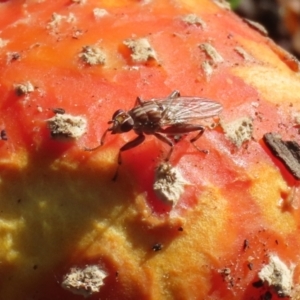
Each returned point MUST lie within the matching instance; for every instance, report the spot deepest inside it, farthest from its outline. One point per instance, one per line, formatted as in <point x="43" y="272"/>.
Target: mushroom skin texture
<point x="66" y="227"/>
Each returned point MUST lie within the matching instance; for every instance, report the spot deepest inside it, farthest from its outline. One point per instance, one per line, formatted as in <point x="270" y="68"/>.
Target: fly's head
<point x="121" y="122"/>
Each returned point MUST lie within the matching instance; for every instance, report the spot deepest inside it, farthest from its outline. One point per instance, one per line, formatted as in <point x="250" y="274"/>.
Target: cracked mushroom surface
<point x="235" y="207"/>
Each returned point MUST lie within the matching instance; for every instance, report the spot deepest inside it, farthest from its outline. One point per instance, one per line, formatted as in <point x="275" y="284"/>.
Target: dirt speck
<point x="238" y="131"/>
<point x="211" y="53"/>
<point x="3" y="43"/>
<point x="99" y="13"/>
<point x="257" y="26"/>
<point x="157" y="247"/>
<point x="13" y="56"/>
<point x="23" y="88"/>
<point x="207" y="69"/>
<point x="287" y="151"/>
<point x="67" y="126"/>
<point x="86" y="281"/>
<point x="57" y="19"/>
<point x="193" y="19"/>
<point x="223" y="4"/>
<point x="93" y="55"/>
<point x="278" y="276"/>
<point x="169" y="184"/>
<point x="141" y="50"/>
<point x="243" y="53"/>
<point x="3" y="135"/>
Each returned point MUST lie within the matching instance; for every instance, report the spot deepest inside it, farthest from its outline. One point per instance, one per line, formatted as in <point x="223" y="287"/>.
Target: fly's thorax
<point x="148" y="113"/>
<point x="122" y="122"/>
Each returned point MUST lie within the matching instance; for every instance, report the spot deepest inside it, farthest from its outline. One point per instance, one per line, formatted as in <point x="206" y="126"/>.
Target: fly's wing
<point x="189" y="110"/>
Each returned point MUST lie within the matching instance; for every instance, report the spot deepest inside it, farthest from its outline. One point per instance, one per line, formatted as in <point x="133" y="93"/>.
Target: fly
<point x="164" y="118"/>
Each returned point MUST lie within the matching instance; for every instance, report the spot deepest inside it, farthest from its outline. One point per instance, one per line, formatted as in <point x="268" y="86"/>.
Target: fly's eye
<point x="127" y="125"/>
<point x="116" y="113"/>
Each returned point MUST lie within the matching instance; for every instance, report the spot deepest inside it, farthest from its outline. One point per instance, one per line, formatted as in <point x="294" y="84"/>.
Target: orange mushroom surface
<point x="219" y="224"/>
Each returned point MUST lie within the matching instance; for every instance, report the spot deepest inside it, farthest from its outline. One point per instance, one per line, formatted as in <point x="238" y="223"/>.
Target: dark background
<point x="281" y="18"/>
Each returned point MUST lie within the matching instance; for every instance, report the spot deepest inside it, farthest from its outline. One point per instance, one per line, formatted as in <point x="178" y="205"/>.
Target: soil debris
<point x="287" y="151"/>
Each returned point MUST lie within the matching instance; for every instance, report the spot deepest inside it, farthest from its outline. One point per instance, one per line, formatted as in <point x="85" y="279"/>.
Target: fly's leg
<point x="186" y="128"/>
<point x="139" y="102"/>
<point x="175" y="94"/>
<point x="131" y="144"/>
<point x="101" y="141"/>
<point x="166" y="140"/>
<point x="195" y="138"/>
